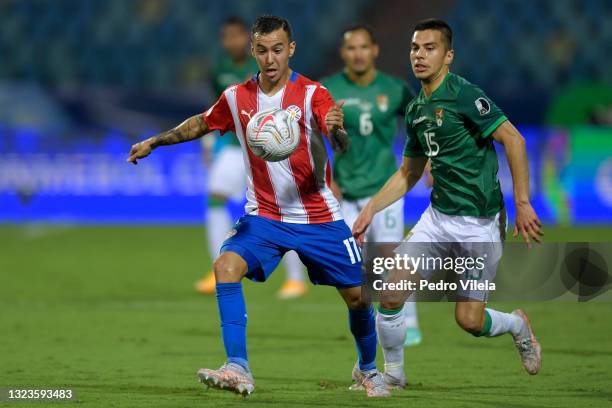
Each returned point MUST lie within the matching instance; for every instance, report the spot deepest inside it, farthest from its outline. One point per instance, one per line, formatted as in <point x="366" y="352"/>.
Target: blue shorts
<point x="328" y="250"/>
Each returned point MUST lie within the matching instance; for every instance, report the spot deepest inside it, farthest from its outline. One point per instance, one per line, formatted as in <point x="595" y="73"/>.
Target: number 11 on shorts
<point x="352" y="249"/>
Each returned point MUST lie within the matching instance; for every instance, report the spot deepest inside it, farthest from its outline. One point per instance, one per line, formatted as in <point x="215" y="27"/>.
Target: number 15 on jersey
<point x="432" y="146"/>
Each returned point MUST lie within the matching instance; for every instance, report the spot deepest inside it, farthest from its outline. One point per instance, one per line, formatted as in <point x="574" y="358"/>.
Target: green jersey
<point x="452" y="128"/>
<point x="227" y="73"/>
<point x="370" y="119"/>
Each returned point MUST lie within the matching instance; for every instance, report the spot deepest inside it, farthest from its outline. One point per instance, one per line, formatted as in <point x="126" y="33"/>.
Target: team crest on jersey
<point x="439" y="116"/>
<point x="482" y="105"/>
<point x="383" y="102"/>
<point x="294" y="111"/>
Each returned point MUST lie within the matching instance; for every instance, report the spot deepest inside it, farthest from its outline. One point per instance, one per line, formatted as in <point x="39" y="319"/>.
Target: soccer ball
<point x="273" y="134"/>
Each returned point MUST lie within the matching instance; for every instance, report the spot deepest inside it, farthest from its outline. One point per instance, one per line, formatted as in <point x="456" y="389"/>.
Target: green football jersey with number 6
<point x="453" y="127"/>
<point x="371" y="121"/>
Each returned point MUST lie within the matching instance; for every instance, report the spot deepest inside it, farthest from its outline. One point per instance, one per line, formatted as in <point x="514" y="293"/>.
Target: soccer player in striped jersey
<point x="454" y="124"/>
<point x="289" y="204"/>
<point x="373" y="102"/>
<point x="223" y="156"/>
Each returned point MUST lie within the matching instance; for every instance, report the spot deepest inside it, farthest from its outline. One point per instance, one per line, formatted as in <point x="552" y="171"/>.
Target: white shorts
<point x="226" y="176"/>
<point x="472" y="236"/>
<point x="387" y="225"/>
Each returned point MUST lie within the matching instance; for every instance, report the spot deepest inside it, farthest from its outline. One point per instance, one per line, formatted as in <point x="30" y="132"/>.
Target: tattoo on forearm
<point x="190" y="129"/>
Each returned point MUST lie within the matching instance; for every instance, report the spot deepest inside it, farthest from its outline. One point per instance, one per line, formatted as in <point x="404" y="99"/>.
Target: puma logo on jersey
<point x="247" y="114"/>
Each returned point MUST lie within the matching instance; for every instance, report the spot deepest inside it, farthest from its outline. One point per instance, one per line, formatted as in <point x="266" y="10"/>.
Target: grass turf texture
<point x="110" y="313"/>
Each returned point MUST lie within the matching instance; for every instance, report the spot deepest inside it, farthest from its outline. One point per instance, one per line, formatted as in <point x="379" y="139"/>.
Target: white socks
<point x="219" y="224"/>
<point x="391" y="330"/>
<point x="503" y="323"/>
<point x="293" y="266"/>
<point x="410" y="315"/>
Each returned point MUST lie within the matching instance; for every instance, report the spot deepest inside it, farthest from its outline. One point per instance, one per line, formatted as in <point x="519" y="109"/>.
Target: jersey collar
<point x="348" y="80"/>
<point x="424" y="97"/>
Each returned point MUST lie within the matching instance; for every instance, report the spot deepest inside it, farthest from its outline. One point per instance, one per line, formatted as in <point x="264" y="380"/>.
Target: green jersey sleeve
<point x="407" y="96"/>
<point x="479" y="110"/>
<point x="413" y="147"/>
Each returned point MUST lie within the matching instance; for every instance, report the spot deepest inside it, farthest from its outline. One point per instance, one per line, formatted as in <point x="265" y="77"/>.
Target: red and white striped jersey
<point x="295" y="190"/>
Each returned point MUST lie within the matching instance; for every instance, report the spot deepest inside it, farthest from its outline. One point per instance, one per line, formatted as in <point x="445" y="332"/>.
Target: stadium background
<point x="94" y="249"/>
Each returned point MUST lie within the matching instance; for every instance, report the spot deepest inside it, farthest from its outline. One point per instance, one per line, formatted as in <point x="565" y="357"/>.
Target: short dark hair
<point x="235" y="20"/>
<point x="439" y="25"/>
<point x="266" y="24"/>
<point x="358" y="27"/>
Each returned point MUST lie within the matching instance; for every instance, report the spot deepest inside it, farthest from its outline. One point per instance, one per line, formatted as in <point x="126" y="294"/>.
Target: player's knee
<point x="391" y="304"/>
<point x="227" y="270"/>
<point x="470" y="322"/>
<point x="358" y="303"/>
<point x="392" y="300"/>
<point x="355" y="301"/>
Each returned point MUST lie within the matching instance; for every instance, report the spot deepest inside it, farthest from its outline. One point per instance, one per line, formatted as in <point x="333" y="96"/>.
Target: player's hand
<point x="362" y="223"/>
<point x="334" y="118"/>
<point x="140" y="151"/>
<point x="336" y="191"/>
<point x="528" y="224"/>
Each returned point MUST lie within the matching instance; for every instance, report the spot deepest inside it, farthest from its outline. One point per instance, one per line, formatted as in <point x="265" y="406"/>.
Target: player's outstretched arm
<point x="190" y="129"/>
<point x="527" y="222"/>
<point x="395" y="188"/>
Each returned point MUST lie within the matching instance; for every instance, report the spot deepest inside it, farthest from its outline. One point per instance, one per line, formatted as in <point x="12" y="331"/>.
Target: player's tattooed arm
<point x="190" y="129"/>
<point x="528" y="224"/>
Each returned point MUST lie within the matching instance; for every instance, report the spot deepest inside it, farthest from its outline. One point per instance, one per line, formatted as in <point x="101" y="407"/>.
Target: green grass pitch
<point x="110" y="313"/>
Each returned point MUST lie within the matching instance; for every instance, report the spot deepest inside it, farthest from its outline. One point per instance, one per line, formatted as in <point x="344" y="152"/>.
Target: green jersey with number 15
<point x="370" y="119"/>
<point x="452" y="127"/>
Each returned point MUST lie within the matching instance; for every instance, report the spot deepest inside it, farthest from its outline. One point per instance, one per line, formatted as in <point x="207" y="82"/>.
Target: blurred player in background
<point x="453" y="124"/>
<point x="289" y="205"/>
<point x="373" y="102"/>
<point x="223" y="156"/>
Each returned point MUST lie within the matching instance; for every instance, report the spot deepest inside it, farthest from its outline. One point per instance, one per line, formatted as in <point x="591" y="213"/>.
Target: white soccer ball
<point x="273" y="134"/>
